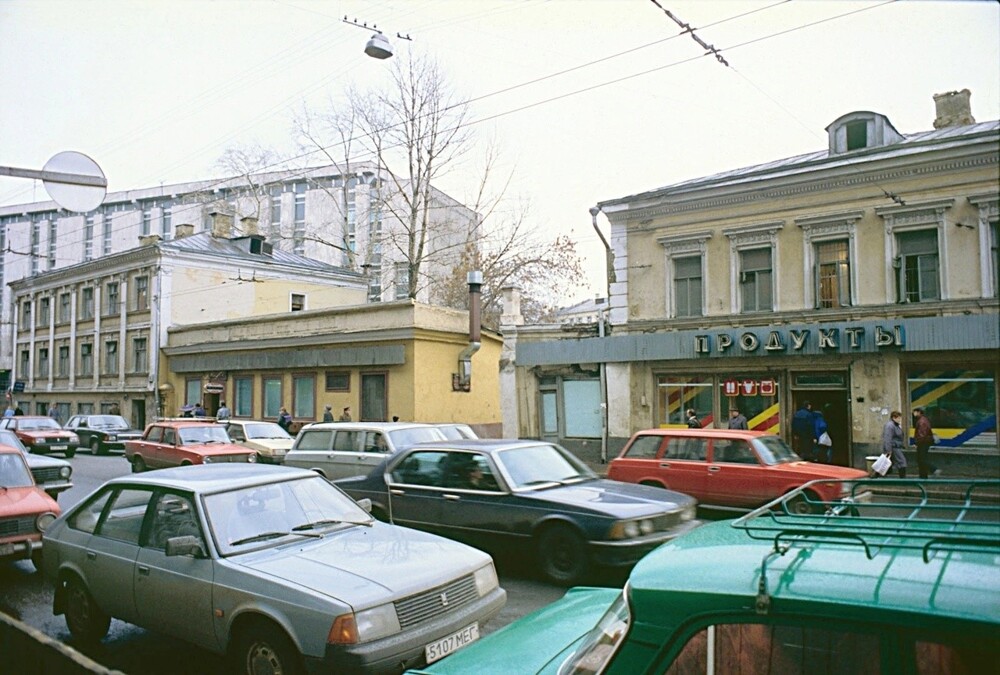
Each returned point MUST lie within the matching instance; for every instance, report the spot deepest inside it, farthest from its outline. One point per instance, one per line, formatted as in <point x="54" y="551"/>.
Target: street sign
<point x="19" y="385"/>
<point x="75" y="195"/>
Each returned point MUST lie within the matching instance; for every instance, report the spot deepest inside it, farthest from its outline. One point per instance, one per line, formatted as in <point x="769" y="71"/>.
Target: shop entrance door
<point x="836" y="411"/>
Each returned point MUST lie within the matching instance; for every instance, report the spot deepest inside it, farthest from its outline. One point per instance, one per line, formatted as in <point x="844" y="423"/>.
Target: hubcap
<point x="262" y="659"/>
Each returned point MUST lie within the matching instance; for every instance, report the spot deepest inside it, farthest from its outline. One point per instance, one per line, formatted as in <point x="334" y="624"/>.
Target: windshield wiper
<point x="575" y="478"/>
<point x="320" y="523"/>
<point x="542" y="481"/>
<point x="272" y="535"/>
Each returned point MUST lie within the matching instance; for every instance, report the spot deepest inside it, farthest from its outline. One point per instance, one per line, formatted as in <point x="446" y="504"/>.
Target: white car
<point x="51" y="474"/>
<point x="269" y="440"/>
<point x="274" y="567"/>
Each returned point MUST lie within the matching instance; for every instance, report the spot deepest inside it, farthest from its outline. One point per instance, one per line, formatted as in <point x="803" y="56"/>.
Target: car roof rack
<point x="936" y="516"/>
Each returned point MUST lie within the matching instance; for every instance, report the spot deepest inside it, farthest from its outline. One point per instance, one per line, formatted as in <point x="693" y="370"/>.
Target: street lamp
<point x="378" y="46"/>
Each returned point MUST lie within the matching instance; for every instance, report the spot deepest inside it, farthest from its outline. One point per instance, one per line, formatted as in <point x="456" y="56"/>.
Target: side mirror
<point x="366" y="504"/>
<point x="185" y="545"/>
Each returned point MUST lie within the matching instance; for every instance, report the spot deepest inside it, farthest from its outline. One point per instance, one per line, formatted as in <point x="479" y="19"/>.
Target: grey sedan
<point x="51" y="474"/>
<point x="271" y="565"/>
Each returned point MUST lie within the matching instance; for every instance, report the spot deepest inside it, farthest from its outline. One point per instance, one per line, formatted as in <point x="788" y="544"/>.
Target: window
<point x="87" y="303"/>
<point x="917" y="266"/>
<point x="755" y="280"/>
<point x="299" y="225"/>
<point x="140" y="355"/>
<point x="375" y="283"/>
<point x="402" y="280"/>
<point x="582" y="408"/>
<point x="26" y="315"/>
<point x="192" y="391"/>
<point x="833" y="274"/>
<point x="64" y="308"/>
<point x="53" y="236"/>
<point x="298" y="302"/>
<point x="43" y="362"/>
<point x="62" y="365"/>
<point x="275" y="210"/>
<point x="644" y="447"/>
<point x="86" y="359"/>
<point x="165" y="223"/>
<point x="338" y="380"/>
<point x="691" y="448"/>
<point x="35" y="246"/>
<point x="111" y="357"/>
<point x="272" y="396"/>
<point x="173" y="516"/>
<point x="243" y="395"/>
<point x="124" y="519"/>
<point x="857" y="135"/>
<point x="112" y="300"/>
<point x="687" y="286"/>
<point x="88" y="238"/>
<point x="106" y="235"/>
<point x="304" y="397"/>
<point x="960" y="404"/>
<point x="44" y="307"/>
<point x="147" y="222"/>
<point x="141" y="293"/>
<point x="85" y="408"/>
<point x="25" y="367"/>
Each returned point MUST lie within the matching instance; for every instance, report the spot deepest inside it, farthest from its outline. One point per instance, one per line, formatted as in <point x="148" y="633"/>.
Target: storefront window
<point x="243" y="392"/>
<point x="755" y="396"/>
<point x="676" y="395"/>
<point x="582" y="405"/>
<point x="960" y="404"/>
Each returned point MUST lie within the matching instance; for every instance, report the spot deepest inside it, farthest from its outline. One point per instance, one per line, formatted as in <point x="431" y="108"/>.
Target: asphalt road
<point x="26" y="596"/>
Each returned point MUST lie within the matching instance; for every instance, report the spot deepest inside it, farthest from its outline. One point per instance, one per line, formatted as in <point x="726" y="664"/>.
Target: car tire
<point x="84" y="618"/>
<point x="138" y="464"/>
<point x="801" y="506"/>
<point x="562" y="554"/>
<point x="70" y="454"/>
<point x="262" y="648"/>
<point x="95" y="447"/>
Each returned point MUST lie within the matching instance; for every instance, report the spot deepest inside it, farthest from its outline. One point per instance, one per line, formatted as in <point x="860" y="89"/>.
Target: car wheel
<point x="652" y="483"/>
<point x="138" y="464"/>
<point x="95" y="447"/>
<point x="263" y="649"/>
<point x="801" y="506"/>
<point x="70" y="453"/>
<point x="84" y="618"/>
<point x="562" y="554"/>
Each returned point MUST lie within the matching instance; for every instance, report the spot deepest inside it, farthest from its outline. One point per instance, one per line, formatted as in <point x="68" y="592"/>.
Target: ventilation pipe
<point x="462" y="380"/>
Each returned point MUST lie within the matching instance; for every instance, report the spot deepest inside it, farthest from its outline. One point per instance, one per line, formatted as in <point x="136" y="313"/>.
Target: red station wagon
<point x="177" y="443"/>
<point x="725" y="467"/>
<point x="25" y="510"/>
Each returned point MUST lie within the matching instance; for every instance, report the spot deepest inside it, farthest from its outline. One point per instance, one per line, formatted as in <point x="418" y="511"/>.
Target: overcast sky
<point x="155" y="90"/>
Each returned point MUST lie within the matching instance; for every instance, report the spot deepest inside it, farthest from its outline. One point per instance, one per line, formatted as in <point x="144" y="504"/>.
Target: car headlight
<point x="65" y="472"/>
<point x="365" y="626"/>
<point x="112" y="437"/>
<point x="689" y="512"/>
<point x="646" y="526"/>
<point x="206" y="460"/>
<point x="624" y="529"/>
<point x="486" y="579"/>
<point x="252" y="457"/>
<point x="43" y="521"/>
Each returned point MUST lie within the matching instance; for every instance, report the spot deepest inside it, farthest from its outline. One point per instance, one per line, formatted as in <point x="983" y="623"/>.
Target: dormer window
<point x="857" y="135"/>
<point x="861" y="130"/>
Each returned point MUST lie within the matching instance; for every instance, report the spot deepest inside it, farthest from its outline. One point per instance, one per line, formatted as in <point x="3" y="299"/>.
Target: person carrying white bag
<point x="892" y="446"/>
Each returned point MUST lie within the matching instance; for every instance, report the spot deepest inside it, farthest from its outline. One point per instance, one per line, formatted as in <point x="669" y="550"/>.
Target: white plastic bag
<point x="824" y="439"/>
<point x="882" y="465"/>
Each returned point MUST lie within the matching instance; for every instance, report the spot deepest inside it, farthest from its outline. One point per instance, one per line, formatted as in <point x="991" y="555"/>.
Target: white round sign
<point x="73" y="196"/>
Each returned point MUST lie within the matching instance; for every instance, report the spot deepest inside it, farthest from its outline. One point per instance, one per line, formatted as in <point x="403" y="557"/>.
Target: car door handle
<point x="453" y="498"/>
<point x="143" y="570"/>
<point x="664" y="465"/>
<point x="91" y="555"/>
<point x="713" y="469"/>
<point x="397" y="492"/>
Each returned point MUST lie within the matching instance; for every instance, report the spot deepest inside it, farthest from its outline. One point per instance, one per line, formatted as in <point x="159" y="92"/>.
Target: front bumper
<point x="53" y="488"/>
<point x="625" y="552"/>
<point x="406" y="649"/>
<point x="56" y="447"/>
<point x="19" y="550"/>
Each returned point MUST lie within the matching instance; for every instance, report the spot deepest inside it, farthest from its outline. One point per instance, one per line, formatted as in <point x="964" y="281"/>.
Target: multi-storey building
<point x="355" y="220"/>
<point x="862" y="277"/>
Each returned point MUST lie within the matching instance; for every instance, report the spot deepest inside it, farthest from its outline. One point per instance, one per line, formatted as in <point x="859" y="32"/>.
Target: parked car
<point x="903" y="590"/>
<point x="341" y="449"/>
<point x="725" y="467"/>
<point x="41" y="435"/>
<point x="267" y="439"/>
<point x="102" y="433"/>
<point x="525" y="496"/>
<point x="271" y="565"/>
<point x="25" y="510"/>
<point x="179" y="442"/>
<point x="51" y="474"/>
<point x="456" y="432"/>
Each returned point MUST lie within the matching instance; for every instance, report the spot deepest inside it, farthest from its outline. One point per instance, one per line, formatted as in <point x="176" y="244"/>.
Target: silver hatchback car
<point x="271" y="565"/>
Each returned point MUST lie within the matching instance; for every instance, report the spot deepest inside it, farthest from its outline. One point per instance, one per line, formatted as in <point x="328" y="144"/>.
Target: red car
<point x="25" y="509"/>
<point x="179" y="442"/>
<point x="723" y="467"/>
<point x="42" y="435"/>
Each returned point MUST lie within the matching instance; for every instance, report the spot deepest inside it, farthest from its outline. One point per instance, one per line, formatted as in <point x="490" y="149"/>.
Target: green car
<point x="898" y="582"/>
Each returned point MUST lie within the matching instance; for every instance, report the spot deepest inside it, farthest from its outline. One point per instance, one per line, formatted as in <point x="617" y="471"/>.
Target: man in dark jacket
<point x="803" y="431"/>
<point x="923" y="438"/>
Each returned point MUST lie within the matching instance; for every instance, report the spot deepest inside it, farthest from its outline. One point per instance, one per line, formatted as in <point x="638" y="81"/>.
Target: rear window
<point x="319" y="439"/>
<point x="402" y="438"/>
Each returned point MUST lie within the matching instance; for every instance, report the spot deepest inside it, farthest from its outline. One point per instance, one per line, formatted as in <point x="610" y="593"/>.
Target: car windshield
<point x="264" y="430"/>
<point x="251" y="518"/>
<point x="13" y="471"/>
<point x="8" y="437"/>
<point x="542" y="465"/>
<point x="412" y="435"/>
<point x="40" y="424"/>
<point x="108" y="422"/>
<point x="205" y="434"/>
<point x="457" y="432"/>
<point x="773" y="450"/>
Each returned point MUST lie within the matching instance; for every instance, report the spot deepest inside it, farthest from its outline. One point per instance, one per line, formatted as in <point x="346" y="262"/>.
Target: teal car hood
<point x="360" y="565"/>
<point x="537" y="643"/>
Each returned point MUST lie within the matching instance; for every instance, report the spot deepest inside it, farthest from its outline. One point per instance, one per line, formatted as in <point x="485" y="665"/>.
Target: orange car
<point x="180" y="442"/>
<point x="42" y="435"/>
<point x="25" y="509"/>
<point x="724" y="467"/>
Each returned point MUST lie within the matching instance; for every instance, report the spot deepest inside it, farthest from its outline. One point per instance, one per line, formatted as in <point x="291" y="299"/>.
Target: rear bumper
<point x="630" y="551"/>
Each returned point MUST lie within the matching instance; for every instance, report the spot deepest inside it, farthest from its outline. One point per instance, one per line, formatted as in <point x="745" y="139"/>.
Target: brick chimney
<point x="953" y="109"/>
<point x="183" y="230"/>
<point x="248" y="224"/>
<point x="222" y="225"/>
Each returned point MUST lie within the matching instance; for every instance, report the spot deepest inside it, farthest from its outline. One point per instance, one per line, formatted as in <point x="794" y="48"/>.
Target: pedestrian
<point x="824" y="444"/>
<point x="892" y="442"/>
<point x="803" y="430"/>
<point x="923" y="438"/>
<point x="284" y="419"/>
<point x="9" y="412"/>
<point x="328" y="413"/>
<point x="346" y="415"/>
<point x="199" y="410"/>
<point x="692" y="419"/>
<point x="222" y="414"/>
<point x="54" y="412"/>
<point x="737" y="420"/>
<point x="114" y="409"/>
<point x="17" y="411"/>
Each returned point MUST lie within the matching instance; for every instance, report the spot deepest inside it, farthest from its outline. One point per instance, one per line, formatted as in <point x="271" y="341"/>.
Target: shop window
<point x="243" y="394"/>
<point x="918" y="278"/>
<point x="304" y="397"/>
<point x="582" y="411"/>
<point x="272" y="395"/>
<point x="338" y="380"/>
<point x="192" y="391"/>
<point x="677" y="395"/>
<point x="755" y="396"/>
<point x="374" y="396"/>
<point x="833" y="274"/>
<point x="960" y="404"/>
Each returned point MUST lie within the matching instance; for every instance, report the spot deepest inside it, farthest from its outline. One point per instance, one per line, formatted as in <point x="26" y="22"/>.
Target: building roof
<point x="238" y="247"/>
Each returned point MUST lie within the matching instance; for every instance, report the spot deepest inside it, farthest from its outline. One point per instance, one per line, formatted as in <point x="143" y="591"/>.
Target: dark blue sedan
<point x="522" y="495"/>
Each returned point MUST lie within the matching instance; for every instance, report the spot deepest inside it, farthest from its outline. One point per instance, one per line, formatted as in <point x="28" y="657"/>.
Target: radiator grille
<point x="47" y="474"/>
<point x="425" y="606"/>
<point x="10" y="527"/>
